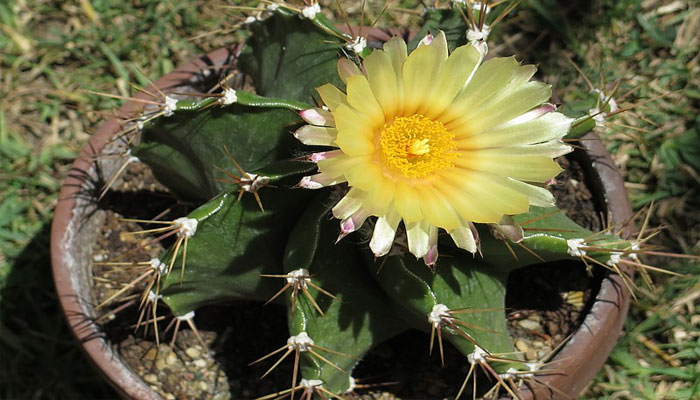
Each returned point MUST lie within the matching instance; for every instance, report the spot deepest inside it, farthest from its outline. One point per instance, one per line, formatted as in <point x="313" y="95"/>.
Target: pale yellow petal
<point x="551" y="149"/>
<point x="353" y="143"/>
<point x="384" y="233"/>
<point x="464" y="238"/>
<point x="457" y="69"/>
<point x="365" y="175"/>
<point x="489" y="189"/>
<point x="467" y="206"/>
<point x="505" y="163"/>
<point x="419" y="73"/>
<point x="440" y="44"/>
<point x="316" y="135"/>
<point x="418" y="234"/>
<point x="361" y="98"/>
<point x="436" y="209"/>
<point x="538" y="196"/>
<point x="407" y="203"/>
<point x="397" y="51"/>
<point x="331" y="96"/>
<point x="349" y="119"/>
<point x="491" y="77"/>
<point x="350" y="203"/>
<point x="337" y="166"/>
<point x="381" y="196"/>
<point x="523" y="73"/>
<point x="547" y="127"/>
<point x="529" y="96"/>
<point x="382" y="79"/>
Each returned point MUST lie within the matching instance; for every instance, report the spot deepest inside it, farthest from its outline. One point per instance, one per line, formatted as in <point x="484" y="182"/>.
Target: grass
<point x="51" y="50"/>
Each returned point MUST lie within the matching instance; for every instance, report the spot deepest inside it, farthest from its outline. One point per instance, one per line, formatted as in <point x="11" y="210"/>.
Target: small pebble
<point x="171" y="358"/>
<point x="529" y="324"/>
<point x="521" y="345"/>
<point x="150" y="378"/>
<point x="151" y="354"/>
<point x="193" y="353"/>
<point x="200" y="363"/>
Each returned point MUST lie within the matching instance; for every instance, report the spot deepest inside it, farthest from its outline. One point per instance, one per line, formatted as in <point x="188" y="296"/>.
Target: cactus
<point x="249" y="161"/>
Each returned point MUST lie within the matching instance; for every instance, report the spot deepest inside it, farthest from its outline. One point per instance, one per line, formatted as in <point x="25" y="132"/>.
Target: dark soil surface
<point x="545" y="304"/>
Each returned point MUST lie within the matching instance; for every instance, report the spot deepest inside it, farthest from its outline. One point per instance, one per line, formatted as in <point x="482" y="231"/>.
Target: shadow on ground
<point x="39" y="358"/>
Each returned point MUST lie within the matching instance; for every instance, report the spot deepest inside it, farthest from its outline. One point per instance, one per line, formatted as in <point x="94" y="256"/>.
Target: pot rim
<point x="589" y="350"/>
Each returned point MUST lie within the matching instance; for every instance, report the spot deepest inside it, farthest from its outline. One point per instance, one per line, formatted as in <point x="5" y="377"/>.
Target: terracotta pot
<point x="75" y="226"/>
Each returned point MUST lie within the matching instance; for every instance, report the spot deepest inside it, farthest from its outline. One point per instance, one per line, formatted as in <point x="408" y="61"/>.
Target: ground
<point x="53" y="53"/>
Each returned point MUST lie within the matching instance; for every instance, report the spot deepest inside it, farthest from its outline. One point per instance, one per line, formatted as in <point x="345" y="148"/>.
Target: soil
<point x="544" y="306"/>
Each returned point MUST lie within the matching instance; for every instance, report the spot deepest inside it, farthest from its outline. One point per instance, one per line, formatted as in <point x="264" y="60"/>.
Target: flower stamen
<point x="419" y="147"/>
<point x="416" y="146"/>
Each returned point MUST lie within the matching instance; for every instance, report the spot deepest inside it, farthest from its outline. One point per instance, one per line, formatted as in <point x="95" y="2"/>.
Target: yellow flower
<point x="436" y="141"/>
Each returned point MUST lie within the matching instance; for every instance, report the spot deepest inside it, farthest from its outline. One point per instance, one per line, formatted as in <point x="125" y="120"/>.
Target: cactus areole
<point x="434" y="161"/>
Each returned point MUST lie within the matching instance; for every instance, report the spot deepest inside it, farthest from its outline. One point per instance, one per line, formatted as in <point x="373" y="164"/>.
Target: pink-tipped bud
<point x="317" y="181"/>
<point x="352" y="223"/>
<point x="426" y="41"/>
<point x="346" y="69"/>
<point x="324" y="155"/>
<point x="509" y="229"/>
<point x="533" y="114"/>
<point x="431" y="256"/>
<point x="316" y="116"/>
<point x="307" y="182"/>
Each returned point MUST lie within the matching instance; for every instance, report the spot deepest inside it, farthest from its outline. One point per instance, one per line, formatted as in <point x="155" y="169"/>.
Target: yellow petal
<point x="348" y="119"/>
<point x="491" y="77"/>
<point x="529" y="96"/>
<point x="331" y="96"/>
<point x="353" y="143"/>
<point x="396" y="49"/>
<point x="436" y="209"/>
<point x="455" y="72"/>
<point x="506" y="163"/>
<point x="419" y="73"/>
<point x="381" y="198"/>
<point x="440" y="44"/>
<point x="407" y="203"/>
<point x="547" y="127"/>
<point x="337" y="166"/>
<point x="472" y="118"/>
<point x="467" y="206"/>
<point x="382" y="79"/>
<point x="489" y="189"/>
<point x="365" y="175"/>
<point x="361" y="98"/>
